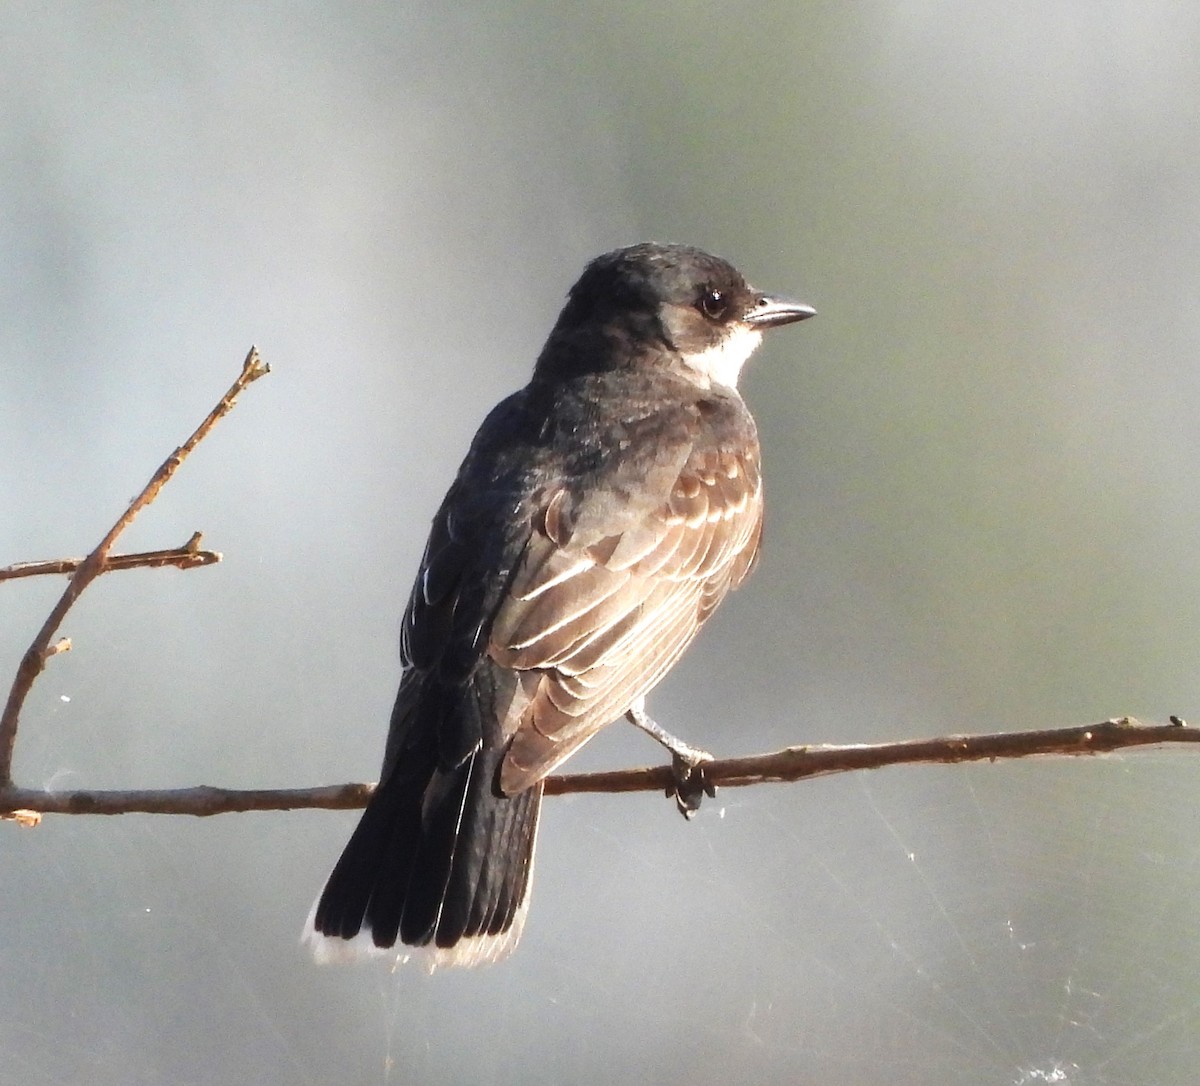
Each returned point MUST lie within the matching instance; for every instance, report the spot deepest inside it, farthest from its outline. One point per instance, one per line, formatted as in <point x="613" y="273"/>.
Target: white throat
<point x="721" y="363"/>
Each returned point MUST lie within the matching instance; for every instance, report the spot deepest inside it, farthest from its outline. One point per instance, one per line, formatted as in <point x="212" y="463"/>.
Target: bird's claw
<point x="691" y="783"/>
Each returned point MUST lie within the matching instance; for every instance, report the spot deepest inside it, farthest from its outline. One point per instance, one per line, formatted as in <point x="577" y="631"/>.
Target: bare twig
<point x="791" y="764"/>
<point x="189" y="556"/>
<point x="201" y="800"/>
<point x="796" y="763"/>
<point x="97" y="562"/>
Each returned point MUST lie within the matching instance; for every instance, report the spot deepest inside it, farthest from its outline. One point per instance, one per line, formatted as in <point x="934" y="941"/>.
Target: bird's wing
<point x="593" y="619"/>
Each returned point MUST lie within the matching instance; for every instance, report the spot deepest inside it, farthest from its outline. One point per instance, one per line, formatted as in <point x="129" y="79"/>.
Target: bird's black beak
<point x="770" y="312"/>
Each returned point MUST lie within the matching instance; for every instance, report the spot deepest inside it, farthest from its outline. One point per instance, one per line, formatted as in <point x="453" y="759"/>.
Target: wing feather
<point x="599" y="618"/>
<point x="557" y="618"/>
<point x="551" y="734"/>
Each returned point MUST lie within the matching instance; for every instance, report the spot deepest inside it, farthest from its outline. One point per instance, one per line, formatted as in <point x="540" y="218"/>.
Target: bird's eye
<point x="713" y="304"/>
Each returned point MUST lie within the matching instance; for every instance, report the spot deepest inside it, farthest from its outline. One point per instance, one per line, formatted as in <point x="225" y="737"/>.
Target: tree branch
<point x="97" y="562"/>
<point x="791" y="764"/>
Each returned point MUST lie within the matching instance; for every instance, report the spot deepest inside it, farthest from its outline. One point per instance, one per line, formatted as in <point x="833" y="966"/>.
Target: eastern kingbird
<point x="600" y="516"/>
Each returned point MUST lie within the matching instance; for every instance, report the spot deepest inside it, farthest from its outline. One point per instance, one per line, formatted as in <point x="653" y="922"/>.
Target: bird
<point x="600" y="516"/>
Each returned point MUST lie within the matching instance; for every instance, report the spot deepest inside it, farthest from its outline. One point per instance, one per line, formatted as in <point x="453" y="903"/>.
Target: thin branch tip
<point x="63" y="644"/>
<point x="254" y="367"/>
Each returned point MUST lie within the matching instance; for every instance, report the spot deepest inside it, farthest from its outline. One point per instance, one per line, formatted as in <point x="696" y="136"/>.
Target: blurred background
<point x="983" y="510"/>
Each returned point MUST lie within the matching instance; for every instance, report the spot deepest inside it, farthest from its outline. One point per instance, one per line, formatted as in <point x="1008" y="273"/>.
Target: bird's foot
<point x="691" y="783"/>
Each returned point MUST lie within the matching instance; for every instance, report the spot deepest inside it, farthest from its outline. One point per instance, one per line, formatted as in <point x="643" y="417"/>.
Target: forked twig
<point x="98" y="562"/>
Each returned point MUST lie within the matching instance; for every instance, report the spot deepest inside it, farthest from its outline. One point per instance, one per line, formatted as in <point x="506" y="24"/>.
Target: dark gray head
<point x="663" y="304"/>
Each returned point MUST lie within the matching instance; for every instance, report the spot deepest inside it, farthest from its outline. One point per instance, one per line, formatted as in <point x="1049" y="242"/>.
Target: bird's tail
<point x="440" y="860"/>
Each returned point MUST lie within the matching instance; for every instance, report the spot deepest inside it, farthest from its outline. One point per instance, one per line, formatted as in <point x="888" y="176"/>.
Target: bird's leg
<point x="687" y="762"/>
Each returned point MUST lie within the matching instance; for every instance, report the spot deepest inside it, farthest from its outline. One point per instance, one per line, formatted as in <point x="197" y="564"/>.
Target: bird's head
<point x="673" y="305"/>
